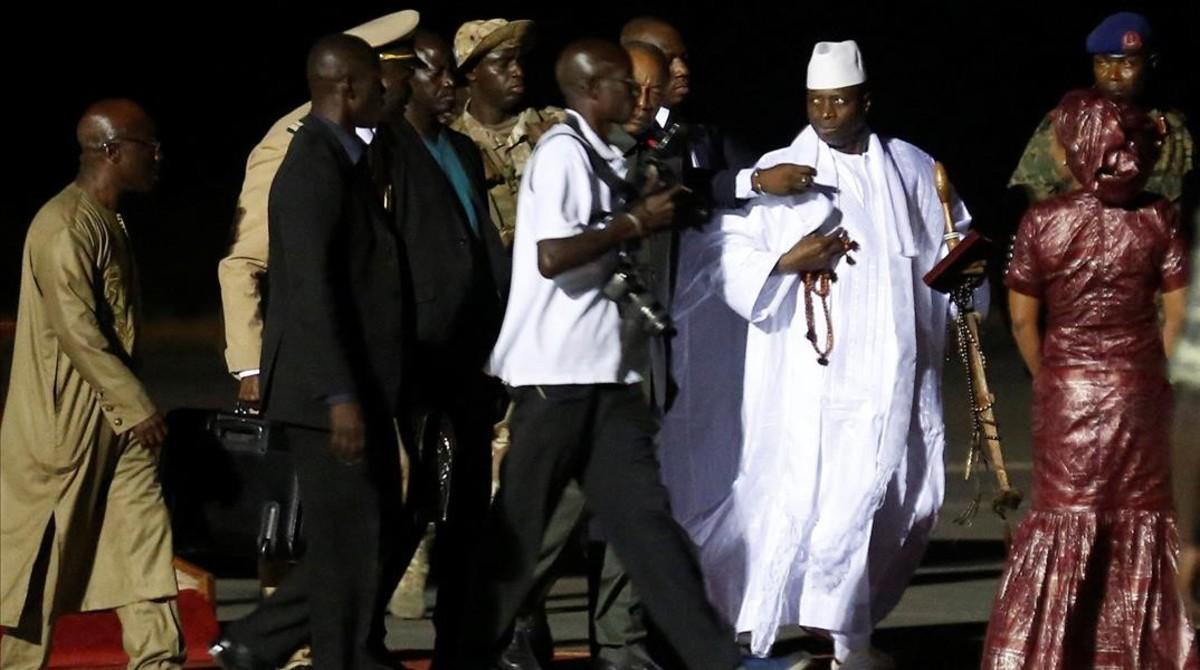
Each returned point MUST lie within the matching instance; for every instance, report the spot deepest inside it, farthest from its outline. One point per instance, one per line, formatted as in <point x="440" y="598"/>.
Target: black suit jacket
<point x="712" y="159"/>
<point x="334" y="324"/>
<point x="459" y="278"/>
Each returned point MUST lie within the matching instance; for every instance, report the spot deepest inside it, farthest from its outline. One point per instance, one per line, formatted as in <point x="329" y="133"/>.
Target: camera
<point x="668" y="164"/>
<point x="628" y="285"/>
<point x="628" y="289"/>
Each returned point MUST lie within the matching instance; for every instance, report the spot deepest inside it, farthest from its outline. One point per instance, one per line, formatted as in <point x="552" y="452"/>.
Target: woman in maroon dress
<point x="1089" y="580"/>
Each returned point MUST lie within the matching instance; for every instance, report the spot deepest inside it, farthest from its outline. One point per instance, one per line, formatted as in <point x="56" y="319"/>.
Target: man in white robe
<point x="840" y="475"/>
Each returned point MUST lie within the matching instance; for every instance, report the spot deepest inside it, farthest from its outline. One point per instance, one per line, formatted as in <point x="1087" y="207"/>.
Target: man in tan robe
<point x="82" y="521"/>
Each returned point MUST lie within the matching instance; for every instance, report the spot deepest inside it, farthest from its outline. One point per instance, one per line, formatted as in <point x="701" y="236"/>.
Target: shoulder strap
<point x="622" y="190"/>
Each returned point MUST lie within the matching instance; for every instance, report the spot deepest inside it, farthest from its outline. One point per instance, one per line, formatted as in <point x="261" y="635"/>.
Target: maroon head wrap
<point x="1111" y="146"/>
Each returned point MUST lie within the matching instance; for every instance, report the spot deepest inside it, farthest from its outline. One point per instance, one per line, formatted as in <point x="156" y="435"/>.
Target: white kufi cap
<point x="835" y="65"/>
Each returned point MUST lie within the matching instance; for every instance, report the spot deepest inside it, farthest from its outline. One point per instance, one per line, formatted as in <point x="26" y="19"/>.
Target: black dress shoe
<point x="232" y="655"/>
<point x="530" y="647"/>
<point x="517" y="656"/>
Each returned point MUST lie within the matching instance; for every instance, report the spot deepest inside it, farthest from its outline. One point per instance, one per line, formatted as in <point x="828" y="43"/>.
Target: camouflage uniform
<point x="1043" y="172"/>
<point x="505" y="153"/>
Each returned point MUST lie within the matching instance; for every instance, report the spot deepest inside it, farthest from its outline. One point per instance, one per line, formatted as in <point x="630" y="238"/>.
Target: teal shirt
<point x="447" y="158"/>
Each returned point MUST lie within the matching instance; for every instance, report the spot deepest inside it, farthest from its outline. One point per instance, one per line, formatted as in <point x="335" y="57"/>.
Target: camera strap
<point x="622" y="191"/>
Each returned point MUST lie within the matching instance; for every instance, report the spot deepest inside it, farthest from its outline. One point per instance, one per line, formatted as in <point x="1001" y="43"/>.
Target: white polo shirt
<point x="562" y="330"/>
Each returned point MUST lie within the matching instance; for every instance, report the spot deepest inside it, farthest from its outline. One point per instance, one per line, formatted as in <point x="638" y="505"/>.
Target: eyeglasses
<point x="155" y="145"/>
<point x="397" y="56"/>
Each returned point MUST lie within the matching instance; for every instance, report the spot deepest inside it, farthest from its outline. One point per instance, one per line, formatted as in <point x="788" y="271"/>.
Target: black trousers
<point x="331" y="599"/>
<point x="603" y="437"/>
<point x="474" y="403"/>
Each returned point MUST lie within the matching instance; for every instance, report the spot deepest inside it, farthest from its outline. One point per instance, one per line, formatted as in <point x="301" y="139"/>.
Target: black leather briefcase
<point x="231" y="489"/>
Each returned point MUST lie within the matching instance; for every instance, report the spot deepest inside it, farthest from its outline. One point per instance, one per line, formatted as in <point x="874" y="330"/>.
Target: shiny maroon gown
<point x="1090" y="577"/>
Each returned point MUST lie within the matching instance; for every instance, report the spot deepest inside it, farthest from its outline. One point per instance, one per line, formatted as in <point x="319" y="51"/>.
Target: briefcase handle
<point x="242" y="433"/>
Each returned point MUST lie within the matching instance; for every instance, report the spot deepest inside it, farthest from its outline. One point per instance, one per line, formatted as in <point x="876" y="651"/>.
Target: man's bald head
<point x="344" y="80"/>
<point x="648" y="29"/>
<point x="663" y="35"/>
<point x="595" y="78"/>
<point x="650" y="71"/>
<point x="107" y="120"/>
<point x="334" y="59"/>
<point x="118" y="142"/>
<point x="584" y="61"/>
<point x="646" y="56"/>
<point x="427" y="40"/>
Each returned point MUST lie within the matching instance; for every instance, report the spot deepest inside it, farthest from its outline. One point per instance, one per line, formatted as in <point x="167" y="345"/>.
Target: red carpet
<point x="93" y="640"/>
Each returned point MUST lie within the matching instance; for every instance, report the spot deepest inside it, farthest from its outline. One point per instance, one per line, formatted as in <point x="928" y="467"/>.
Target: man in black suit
<point x="719" y="169"/>
<point x="331" y="371"/>
<point x="459" y="273"/>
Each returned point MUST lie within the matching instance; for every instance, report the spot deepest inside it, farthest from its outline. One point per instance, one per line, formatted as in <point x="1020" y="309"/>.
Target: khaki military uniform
<point x="1043" y="171"/>
<point x="505" y="152"/>
<point x="241" y="272"/>
<point x="82" y="520"/>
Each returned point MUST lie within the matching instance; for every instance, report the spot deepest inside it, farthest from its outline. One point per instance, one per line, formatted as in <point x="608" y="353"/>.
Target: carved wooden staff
<point x="946" y="277"/>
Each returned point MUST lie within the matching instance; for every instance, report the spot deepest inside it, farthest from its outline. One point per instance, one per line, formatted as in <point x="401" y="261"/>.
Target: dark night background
<point x="967" y="81"/>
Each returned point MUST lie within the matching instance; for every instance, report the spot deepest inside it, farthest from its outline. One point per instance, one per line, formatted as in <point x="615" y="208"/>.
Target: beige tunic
<point x="66" y="457"/>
